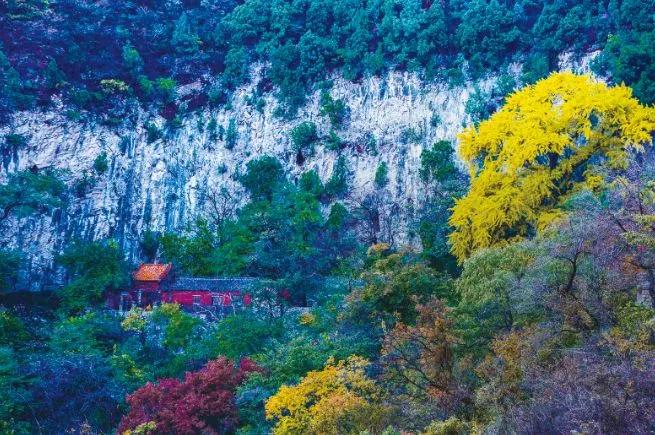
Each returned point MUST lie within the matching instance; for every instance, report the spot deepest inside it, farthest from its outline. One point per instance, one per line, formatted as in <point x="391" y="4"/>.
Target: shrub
<point x="132" y="59"/>
<point x="146" y="86"/>
<point x="100" y="164"/>
<point x="212" y="127"/>
<point x="337" y="185"/>
<point x="437" y="163"/>
<point x="435" y="120"/>
<point x="166" y="88"/>
<point x="262" y="177"/>
<point x="371" y="144"/>
<point x="14" y="140"/>
<point x="231" y="134"/>
<point x="304" y="135"/>
<point x="114" y="86"/>
<point x="479" y="105"/>
<point x="311" y="182"/>
<point x="411" y="135"/>
<point x="82" y="185"/>
<point x="335" y="110"/>
<point x="184" y="40"/>
<point x="153" y="132"/>
<point x="334" y="142"/>
<point x="149" y="244"/>
<point x="217" y="94"/>
<point x="381" y="175"/>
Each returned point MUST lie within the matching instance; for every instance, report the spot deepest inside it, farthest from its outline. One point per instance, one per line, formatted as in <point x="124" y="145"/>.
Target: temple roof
<point x="210" y="284"/>
<point x="152" y="272"/>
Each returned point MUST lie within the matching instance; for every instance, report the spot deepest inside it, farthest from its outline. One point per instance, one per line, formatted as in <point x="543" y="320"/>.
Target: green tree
<point x="444" y="184"/>
<point x="338" y="183"/>
<point x="242" y="335"/>
<point x="14" y="390"/>
<point x="92" y="268"/>
<point x="9" y="268"/>
<point x="100" y="164"/>
<point x="263" y="175"/>
<point x="631" y="60"/>
<point x="335" y="110"/>
<point x="395" y="283"/>
<point x="132" y="60"/>
<point x="191" y="252"/>
<point x="231" y="134"/>
<point x="12" y="330"/>
<point x="178" y="327"/>
<point x="488" y="292"/>
<point x="184" y="39"/>
<point x="303" y="136"/>
<point x="13" y="94"/>
<point x="381" y="175"/>
<point x="310" y="182"/>
<point x="28" y="192"/>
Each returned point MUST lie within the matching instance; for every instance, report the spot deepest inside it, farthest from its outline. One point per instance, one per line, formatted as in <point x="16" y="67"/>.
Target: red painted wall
<point x="185" y="297"/>
<point x="151" y="291"/>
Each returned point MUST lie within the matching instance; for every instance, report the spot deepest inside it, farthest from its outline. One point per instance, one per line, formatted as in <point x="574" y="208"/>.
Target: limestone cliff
<point x="164" y="184"/>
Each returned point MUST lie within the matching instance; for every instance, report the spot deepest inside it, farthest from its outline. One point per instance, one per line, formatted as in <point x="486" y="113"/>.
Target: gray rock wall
<point x="166" y="184"/>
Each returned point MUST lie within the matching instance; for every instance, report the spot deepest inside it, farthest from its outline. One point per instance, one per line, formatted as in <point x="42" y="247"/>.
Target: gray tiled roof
<point x="210" y="284"/>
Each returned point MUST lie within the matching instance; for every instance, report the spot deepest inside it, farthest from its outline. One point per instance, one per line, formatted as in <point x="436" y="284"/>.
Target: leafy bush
<point x="631" y="59"/>
<point x="338" y="183"/>
<point x="334" y="142"/>
<point x="335" y="110"/>
<point x="437" y="163"/>
<point x="165" y="86"/>
<point x="411" y="135"/>
<point x="153" y="133"/>
<point x="381" y="175"/>
<point x="9" y="268"/>
<point x="14" y="140"/>
<point x="231" y="134"/>
<point x="93" y="268"/>
<point x="262" y="177"/>
<point x="303" y="136"/>
<point x="112" y="86"/>
<point x="100" y="164"/>
<point x="208" y="392"/>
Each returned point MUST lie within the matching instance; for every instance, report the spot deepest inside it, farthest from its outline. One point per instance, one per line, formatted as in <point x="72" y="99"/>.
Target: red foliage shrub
<point x="202" y="403"/>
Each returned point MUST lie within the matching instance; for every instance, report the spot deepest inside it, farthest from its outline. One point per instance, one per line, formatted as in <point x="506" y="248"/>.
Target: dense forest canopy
<point x="101" y="55"/>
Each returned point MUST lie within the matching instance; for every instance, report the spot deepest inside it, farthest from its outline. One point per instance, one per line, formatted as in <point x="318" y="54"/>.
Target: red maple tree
<point x="202" y="403"/>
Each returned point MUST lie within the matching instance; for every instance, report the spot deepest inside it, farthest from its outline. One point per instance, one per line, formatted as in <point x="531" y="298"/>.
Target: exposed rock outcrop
<point x="164" y="184"/>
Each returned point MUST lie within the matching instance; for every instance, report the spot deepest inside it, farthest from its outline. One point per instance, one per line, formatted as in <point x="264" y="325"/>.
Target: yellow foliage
<point x="135" y="320"/>
<point x="307" y="319"/>
<point x="142" y="429"/>
<point x="537" y="150"/>
<point x="111" y="86"/>
<point x="339" y="399"/>
<point x="378" y="249"/>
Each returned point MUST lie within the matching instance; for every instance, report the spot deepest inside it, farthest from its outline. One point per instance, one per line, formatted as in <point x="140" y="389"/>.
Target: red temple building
<point x="157" y="283"/>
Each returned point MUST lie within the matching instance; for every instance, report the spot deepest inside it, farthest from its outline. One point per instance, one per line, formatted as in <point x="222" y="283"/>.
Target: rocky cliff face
<point x="164" y="184"/>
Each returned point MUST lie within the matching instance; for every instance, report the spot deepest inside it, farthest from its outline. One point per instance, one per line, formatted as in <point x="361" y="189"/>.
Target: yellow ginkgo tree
<point x="546" y="142"/>
<point x="340" y="399"/>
